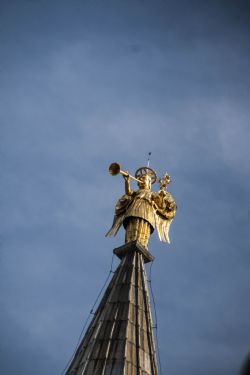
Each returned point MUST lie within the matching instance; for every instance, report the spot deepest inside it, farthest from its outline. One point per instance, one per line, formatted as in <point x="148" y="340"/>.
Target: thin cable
<point x="155" y="316"/>
<point x="90" y="313"/>
<point x="110" y="271"/>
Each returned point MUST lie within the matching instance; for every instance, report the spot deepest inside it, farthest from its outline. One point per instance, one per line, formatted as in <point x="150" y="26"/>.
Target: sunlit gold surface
<point x="141" y="211"/>
<point x="115" y="169"/>
<point x="146" y="171"/>
<point x="138" y="229"/>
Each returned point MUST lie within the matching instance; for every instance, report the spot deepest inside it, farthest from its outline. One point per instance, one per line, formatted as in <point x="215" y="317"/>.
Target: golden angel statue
<point x="141" y="211"/>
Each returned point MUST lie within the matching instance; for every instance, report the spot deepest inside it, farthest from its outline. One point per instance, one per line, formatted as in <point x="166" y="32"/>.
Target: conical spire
<point x="119" y="340"/>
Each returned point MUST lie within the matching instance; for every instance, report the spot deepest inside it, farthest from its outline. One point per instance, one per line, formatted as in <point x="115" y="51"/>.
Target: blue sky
<point x="86" y="83"/>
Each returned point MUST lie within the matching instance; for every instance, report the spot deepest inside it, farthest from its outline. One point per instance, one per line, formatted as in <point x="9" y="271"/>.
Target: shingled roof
<point x="119" y="340"/>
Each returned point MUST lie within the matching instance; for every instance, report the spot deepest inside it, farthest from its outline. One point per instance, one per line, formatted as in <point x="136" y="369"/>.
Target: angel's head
<point x="145" y="182"/>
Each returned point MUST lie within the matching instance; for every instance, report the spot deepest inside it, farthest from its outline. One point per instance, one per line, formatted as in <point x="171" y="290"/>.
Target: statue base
<point x="132" y="246"/>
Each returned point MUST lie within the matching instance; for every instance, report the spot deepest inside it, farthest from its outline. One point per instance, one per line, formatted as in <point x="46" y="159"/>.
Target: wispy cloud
<point x="88" y="84"/>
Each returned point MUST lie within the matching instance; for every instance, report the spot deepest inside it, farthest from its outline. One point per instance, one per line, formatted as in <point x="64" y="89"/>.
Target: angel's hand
<point x="126" y="177"/>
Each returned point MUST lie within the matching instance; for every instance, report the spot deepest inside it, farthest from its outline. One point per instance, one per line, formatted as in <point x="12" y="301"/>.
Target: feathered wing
<point x="164" y="214"/>
<point x="120" y="210"/>
<point x="117" y="222"/>
<point x="163" y="226"/>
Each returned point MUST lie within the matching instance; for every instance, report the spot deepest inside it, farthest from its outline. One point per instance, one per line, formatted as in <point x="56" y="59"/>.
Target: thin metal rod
<point x="127" y="174"/>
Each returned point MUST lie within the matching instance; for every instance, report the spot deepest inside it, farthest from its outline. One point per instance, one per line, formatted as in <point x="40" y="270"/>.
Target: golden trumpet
<point x="115" y="169"/>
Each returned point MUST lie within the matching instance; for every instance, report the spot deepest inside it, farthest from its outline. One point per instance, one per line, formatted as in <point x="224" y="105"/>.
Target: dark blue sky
<point x="86" y="83"/>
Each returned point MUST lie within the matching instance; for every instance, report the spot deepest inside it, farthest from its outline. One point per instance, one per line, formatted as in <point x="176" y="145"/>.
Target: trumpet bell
<point x="114" y="169"/>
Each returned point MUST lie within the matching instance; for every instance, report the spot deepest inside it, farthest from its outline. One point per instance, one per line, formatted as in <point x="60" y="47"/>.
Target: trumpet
<point x="115" y="169"/>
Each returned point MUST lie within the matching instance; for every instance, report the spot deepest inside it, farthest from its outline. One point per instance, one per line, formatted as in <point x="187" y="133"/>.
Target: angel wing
<point x="163" y="226"/>
<point x="120" y="210"/>
<point x="117" y="222"/>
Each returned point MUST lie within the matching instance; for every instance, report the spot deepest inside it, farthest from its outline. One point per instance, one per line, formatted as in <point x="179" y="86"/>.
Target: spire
<point x="119" y="340"/>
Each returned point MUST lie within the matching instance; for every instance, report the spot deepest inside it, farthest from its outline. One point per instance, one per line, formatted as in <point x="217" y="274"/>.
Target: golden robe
<point x="157" y="209"/>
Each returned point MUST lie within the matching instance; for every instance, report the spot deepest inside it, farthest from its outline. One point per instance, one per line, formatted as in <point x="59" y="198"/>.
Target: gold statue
<point x="142" y="211"/>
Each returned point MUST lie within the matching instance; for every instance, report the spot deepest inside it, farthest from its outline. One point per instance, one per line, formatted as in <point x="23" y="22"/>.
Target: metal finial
<point x="149" y="154"/>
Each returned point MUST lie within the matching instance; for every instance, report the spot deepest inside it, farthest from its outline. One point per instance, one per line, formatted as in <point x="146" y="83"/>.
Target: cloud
<point x="77" y="97"/>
